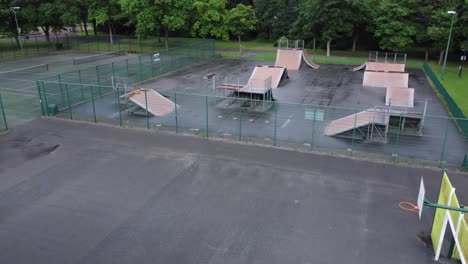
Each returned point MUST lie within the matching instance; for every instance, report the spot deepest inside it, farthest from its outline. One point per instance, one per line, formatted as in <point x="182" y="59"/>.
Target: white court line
<point x="30" y="95"/>
<point x="287" y="121"/>
<point x="15" y="90"/>
<point x="21" y="80"/>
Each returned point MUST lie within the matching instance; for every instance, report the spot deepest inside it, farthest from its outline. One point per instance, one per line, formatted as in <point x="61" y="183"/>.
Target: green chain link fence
<point x="451" y="104"/>
<point x="32" y="45"/>
<point x="3" y="121"/>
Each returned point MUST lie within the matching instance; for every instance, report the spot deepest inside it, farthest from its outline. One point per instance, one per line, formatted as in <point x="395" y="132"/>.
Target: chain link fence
<point x="3" y="121"/>
<point x="32" y="45"/>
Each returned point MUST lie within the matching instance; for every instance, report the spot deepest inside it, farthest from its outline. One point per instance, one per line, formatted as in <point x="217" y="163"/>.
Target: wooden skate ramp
<point x="385" y="79"/>
<point x="348" y="123"/>
<point x="289" y="58"/>
<point x="309" y="61"/>
<point x="261" y="74"/>
<point x="158" y="105"/>
<point x="386" y="67"/>
<point x="397" y="96"/>
<point x="360" y="67"/>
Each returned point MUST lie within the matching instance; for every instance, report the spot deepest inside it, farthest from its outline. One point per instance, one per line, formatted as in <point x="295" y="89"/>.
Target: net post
<point x="98" y="80"/>
<point x="276" y="123"/>
<point x="94" y="106"/>
<point x="146" y="108"/>
<point x="2" y="108"/>
<point x="81" y="85"/>
<point x="175" y="109"/>
<point x="206" y="115"/>
<point x="69" y="105"/>
<point x="38" y="85"/>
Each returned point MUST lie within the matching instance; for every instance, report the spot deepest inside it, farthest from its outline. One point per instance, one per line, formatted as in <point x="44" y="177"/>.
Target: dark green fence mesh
<point x="3" y="121"/>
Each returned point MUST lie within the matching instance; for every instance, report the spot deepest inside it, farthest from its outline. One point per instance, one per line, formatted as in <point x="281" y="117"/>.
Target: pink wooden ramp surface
<point x="397" y="96"/>
<point x="266" y="77"/>
<point x="158" y="105"/>
<point x="347" y="123"/>
<point x="289" y="58"/>
<point x="385" y="79"/>
<point x="385" y="66"/>
<point x="309" y="61"/>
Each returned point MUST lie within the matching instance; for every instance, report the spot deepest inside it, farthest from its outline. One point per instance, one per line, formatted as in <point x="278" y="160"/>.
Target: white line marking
<point x="235" y="118"/>
<point x="286" y="123"/>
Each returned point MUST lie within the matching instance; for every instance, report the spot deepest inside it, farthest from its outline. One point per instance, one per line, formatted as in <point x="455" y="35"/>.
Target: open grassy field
<point x="456" y="86"/>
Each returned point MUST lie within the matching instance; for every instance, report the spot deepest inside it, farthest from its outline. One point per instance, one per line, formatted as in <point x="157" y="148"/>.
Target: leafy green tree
<point x="240" y="20"/>
<point x="107" y="12"/>
<point x="8" y="23"/>
<point x="209" y="19"/>
<point x="266" y="12"/>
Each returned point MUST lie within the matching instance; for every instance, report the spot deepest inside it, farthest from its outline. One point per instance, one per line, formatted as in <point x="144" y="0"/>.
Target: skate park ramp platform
<point x="308" y="61"/>
<point x="289" y="58"/>
<point x="397" y="96"/>
<point x="266" y="77"/>
<point x="381" y="66"/>
<point x="349" y="123"/>
<point x="385" y="66"/>
<point x="385" y="79"/>
<point x="157" y="104"/>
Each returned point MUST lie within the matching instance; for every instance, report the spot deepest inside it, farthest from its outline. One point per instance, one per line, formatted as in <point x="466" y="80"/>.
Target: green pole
<point x="45" y="99"/>
<point x="397" y="143"/>
<point x="313" y="130"/>
<point x="94" y="106"/>
<point x="40" y="97"/>
<point x="146" y="108"/>
<point x="61" y="89"/>
<point x="442" y="154"/>
<point x="206" y="112"/>
<point x="175" y="109"/>
<point x="69" y="105"/>
<point x="120" y="110"/>
<point x="98" y="80"/>
<point x="240" y="122"/>
<point x="81" y="85"/>
<point x="448" y="45"/>
<point x="276" y="122"/>
<point x="3" y="113"/>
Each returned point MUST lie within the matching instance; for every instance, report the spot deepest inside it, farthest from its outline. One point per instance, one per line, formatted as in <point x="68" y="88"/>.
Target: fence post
<point x="39" y="96"/>
<point x="61" y="89"/>
<point x="176" y="118"/>
<point x="128" y="73"/>
<point x="69" y="105"/>
<point x="139" y="69"/>
<point x="276" y="121"/>
<point x="81" y="85"/>
<point x="354" y="133"/>
<point x="206" y="112"/>
<point x="442" y="154"/>
<point x="94" y="106"/>
<point x="240" y="121"/>
<point x="45" y="99"/>
<point x="2" y="108"/>
<point x="120" y="110"/>
<point x="397" y="143"/>
<point x="313" y="130"/>
<point x="146" y="108"/>
<point x="98" y="80"/>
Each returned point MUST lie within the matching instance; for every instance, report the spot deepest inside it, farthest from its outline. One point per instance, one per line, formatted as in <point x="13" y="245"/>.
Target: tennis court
<point x="18" y="78"/>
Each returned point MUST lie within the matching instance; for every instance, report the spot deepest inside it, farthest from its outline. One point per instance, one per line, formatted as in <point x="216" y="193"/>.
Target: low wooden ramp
<point x="385" y="66"/>
<point x="397" y="96"/>
<point x="309" y="61"/>
<point x="348" y="123"/>
<point x="289" y="58"/>
<point x="158" y="105"/>
<point x="385" y="79"/>
<point x="261" y="75"/>
<point x="360" y="67"/>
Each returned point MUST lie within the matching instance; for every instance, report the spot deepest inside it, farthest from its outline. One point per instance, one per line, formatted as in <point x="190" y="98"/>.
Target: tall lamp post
<point x="452" y="13"/>
<point x="13" y="8"/>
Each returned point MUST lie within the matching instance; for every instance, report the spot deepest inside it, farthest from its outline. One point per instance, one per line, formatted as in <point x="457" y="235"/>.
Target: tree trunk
<point x="354" y="42"/>
<point x="46" y="33"/>
<point x="426" y="57"/>
<point x="17" y="41"/>
<point x="441" y="56"/>
<point x="328" y="47"/>
<point x="240" y="44"/>
<point x="85" y="27"/>
<point x="166" y="37"/>
<point x="94" y="26"/>
<point x="110" y="33"/>
<point x="313" y="48"/>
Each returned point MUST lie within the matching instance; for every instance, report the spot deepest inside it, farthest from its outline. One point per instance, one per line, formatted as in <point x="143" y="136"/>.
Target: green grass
<point x="455" y="86"/>
<point x="251" y="45"/>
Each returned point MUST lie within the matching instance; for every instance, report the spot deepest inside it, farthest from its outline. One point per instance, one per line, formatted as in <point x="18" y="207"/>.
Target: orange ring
<point x="410" y="207"/>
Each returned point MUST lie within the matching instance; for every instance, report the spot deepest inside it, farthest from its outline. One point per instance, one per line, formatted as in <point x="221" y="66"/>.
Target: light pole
<point x="452" y="13"/>
<point x="13" y="8"/>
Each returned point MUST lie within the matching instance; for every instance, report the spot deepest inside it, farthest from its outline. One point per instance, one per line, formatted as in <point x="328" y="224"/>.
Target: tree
<point x="240" y="20"/>
<point x="209" y="19"/>
<point x="396" y="24"/>
<point x="267" y="14"/>
<point x="438" y="30"/>
<point x="82" y="12"/>
<point x="8" y="23"/>
<point x="106" y="12"/>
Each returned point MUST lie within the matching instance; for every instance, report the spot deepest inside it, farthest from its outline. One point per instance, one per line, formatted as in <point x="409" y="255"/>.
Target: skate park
<point x="214" y="98"/>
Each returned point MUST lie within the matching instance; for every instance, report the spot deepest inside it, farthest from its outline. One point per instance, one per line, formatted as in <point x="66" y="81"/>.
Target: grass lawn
<point x="457" y="87"/>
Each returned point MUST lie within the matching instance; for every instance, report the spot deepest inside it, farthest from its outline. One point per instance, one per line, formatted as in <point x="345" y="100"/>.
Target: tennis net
<point x="31" y="69"/>
<point x="97" y="57"/>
